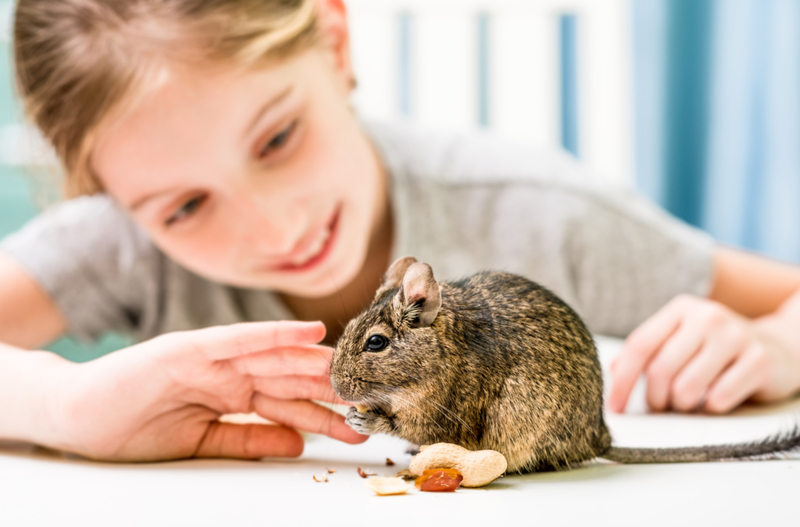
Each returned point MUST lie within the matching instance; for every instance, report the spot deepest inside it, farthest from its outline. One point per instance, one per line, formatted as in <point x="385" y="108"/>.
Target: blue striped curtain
<point x="718" y="117"/>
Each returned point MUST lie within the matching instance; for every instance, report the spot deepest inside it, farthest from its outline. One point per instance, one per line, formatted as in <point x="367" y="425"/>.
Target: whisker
<point x="388" y="399"/>
<point x="449" y="414"/>
<point x="408" y="403"/>
<point x="446" y="412"/>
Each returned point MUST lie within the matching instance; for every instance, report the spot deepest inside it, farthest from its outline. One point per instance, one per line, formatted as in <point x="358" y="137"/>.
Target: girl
<point x="224" y="179"/>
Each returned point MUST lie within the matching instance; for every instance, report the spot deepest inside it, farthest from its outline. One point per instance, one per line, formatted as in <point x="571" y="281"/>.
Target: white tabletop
<point x="45" y="488"/>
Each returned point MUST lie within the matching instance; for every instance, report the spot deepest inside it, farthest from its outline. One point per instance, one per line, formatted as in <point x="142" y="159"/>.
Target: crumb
<point x="323" y="479"/>
<point x="406" y="475"/>
<point x="364" y="474"/>
<point x="389" y="462"/>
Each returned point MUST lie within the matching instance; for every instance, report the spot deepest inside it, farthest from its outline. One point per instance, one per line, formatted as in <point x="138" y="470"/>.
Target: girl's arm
<point x="752" y="285"/>
<point x="742" y="342"/>
<point x="28" y="317"/>
<point x="26" y="382"/>
<point x="161" y="399"/>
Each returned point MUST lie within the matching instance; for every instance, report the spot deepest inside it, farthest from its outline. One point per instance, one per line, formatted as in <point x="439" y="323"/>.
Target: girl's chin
<point x="325" y="282"/>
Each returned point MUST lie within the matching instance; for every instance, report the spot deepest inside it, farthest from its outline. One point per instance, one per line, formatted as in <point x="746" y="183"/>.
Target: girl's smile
<point x="312" y="250"/>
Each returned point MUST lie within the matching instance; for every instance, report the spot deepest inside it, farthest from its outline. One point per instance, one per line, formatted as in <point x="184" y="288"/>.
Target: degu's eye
<point x="376" y="343"/>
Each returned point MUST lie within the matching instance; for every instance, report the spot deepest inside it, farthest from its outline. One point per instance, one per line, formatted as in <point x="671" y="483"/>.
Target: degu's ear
<point x="419" y="299"/>
<point x="394" y="275"/>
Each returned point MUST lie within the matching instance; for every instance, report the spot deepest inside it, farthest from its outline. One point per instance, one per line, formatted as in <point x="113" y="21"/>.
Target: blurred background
<point x="695" y="103"/>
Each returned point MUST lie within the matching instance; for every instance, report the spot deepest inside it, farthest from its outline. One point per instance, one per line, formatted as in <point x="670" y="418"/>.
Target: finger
<point x="293" y="387"/>
<point x="673" y="356"/>
<point x="639" y="348"/>
<point x="224" y="342"/>
<point x="738" y="382"/>
<point x="249" y="441"/>
<point x="305" y="415"/>
<point x="694" y="380"/>
<point x="290" y="360"/>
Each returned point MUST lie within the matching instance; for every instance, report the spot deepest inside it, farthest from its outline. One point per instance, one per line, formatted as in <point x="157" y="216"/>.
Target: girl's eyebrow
<point x="266" y="107"/>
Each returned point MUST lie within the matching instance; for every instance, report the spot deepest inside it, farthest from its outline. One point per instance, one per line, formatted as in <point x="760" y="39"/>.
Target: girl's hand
<point x="698" y="354"/>
<point x="161" y="399"/>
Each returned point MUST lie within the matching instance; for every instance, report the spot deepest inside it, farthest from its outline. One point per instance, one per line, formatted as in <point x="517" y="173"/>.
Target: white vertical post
<point x="524" y="70"/>
<point x="445" y="55"/>
<point x="375" y="53"/>
<point x="605" y="89"/>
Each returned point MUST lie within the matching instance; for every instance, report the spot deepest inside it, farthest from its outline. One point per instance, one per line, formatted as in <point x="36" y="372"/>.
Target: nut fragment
<point x="389" y="462"/>
<point x="331" y="470"/>
<point x="479" y="468"/>
<point x="361" y="408"/>
<point x="439" y="480"/>
<point x="363" y="473"/>
<point x="387" y="486"/>
<point x="322" y="479"/>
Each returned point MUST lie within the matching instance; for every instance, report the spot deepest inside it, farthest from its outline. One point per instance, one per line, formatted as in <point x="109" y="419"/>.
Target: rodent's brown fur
<point x="494" y="361"/>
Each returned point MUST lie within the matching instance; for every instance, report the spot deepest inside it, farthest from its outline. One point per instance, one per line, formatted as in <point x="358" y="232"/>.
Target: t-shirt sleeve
<point x="628" y="258"/>
<point x="93" y="261"/>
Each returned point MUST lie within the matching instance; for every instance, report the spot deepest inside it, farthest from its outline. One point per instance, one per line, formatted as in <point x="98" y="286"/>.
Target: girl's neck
<point x="337" y="309"/>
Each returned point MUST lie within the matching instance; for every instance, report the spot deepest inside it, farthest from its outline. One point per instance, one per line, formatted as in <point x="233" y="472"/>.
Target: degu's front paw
<point x="368" y="423"/>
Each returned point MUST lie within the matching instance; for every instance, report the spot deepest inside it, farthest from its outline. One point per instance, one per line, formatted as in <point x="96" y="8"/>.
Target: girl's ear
<point x="332" y="23"/>
<point x="420" y="297"/>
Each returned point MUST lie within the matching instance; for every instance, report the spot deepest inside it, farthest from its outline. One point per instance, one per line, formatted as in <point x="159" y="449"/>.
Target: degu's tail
<point x="781" y="443"/>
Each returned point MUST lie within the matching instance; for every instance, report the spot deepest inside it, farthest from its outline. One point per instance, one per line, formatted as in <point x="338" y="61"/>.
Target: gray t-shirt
<point x="462" y="203"/>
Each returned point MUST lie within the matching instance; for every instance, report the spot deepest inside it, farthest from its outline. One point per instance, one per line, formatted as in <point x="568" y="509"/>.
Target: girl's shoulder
<point x="92" y="260"/>
<point x="93" y="224"/>
<point x="476" y="158"/>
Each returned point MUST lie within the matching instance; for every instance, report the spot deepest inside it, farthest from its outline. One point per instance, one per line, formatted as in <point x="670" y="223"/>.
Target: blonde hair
<point x="77" y="61"/>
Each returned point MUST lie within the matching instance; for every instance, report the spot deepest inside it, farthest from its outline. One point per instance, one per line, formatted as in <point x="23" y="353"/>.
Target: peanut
<point x="479" y="468"/>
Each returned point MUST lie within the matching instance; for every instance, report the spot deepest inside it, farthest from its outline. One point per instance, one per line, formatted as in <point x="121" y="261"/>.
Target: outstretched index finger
<point x="225" y="342"/>
<point x="289" y="360"/>
<point x="639" y="349"/>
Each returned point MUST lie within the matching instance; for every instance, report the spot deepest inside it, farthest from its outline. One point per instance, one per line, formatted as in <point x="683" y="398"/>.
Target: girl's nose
<point x="270" y="229"/>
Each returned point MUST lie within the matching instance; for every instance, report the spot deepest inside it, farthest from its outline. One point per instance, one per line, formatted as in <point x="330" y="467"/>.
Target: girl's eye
<point x="377" y="343"/>
<point x="277" y="142"/>
<point x="188" y="208"/>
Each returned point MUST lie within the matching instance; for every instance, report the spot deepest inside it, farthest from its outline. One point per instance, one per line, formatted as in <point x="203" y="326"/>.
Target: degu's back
<point x="547" y="407"/>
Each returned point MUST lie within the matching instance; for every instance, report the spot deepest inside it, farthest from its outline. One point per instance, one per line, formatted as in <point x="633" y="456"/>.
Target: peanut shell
<point x="388" y="486"/>
<point x="479" y="467"/>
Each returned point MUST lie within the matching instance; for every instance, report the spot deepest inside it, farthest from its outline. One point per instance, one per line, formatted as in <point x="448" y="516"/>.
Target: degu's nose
<point x="339" y="380"/>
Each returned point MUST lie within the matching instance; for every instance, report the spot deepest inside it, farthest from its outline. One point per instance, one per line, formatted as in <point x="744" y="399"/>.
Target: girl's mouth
<point x="317" y="251"/>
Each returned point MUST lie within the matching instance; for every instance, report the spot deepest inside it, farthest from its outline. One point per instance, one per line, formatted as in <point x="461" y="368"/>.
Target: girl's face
<point x="257" y="179"/>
